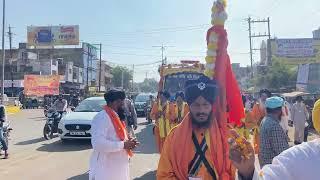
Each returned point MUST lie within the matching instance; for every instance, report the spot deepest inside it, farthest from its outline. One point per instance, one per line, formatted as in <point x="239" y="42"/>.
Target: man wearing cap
<point x="161" y="113"/>
<point x="111" y="144"/>
<point x="273" y="139"/>
<point x="181" y="109"/>
<point x="196" y="148"/>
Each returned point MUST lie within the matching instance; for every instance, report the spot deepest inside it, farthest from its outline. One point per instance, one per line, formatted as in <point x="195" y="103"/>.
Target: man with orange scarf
<point x="257" y="114"/>
<point x="161" y="113"/>
<point x="195" y="148"/>
<point x="181" y="109"/>
<point x="110" y="141"/>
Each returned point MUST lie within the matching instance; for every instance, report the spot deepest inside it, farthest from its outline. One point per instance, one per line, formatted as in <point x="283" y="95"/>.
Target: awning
<point x="294" y="94"/>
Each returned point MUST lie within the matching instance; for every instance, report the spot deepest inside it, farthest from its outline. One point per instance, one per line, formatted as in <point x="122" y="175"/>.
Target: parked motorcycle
<point x="51" y="126"/>
<point x="6" y="133"/>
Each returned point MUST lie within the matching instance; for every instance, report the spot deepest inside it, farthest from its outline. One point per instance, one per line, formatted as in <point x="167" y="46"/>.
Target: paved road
<point x="34" y="158"/>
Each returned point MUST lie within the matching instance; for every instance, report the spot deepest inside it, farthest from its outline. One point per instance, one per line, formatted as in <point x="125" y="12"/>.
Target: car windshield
<point x="90" y="106"/>
<point x="142" y="98"/>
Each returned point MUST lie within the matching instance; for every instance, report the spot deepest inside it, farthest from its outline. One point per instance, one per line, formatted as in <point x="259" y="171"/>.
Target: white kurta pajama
<point x="300" y="162"/>
<point x="299" y="117"/>
<point x="109" y="160"/>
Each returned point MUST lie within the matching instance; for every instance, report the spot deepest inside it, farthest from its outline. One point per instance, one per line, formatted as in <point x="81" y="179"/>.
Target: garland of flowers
<point x="218" y="18"/>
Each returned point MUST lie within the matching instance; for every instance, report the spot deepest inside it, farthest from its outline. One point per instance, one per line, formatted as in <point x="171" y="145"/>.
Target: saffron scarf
<point x="182" y="148"/>
<point x="119" y="126"/>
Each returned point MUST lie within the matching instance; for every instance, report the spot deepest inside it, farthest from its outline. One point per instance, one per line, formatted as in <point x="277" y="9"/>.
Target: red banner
<point x="38" y="85"/>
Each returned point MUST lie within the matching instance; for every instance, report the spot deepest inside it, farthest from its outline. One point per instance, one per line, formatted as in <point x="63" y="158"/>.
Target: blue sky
<point x="129" y="29"/>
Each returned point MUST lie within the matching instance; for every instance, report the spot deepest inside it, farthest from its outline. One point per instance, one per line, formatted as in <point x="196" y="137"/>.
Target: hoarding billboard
<point x="296" y="51"/>
<point x="52" y="35"/>
<point x="38" y="85"/>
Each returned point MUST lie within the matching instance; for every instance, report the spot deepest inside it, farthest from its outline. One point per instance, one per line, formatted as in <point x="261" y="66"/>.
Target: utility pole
<point x="250" y="43"/>
<point x="3" y="51"/>
<point x="100" y="47"/>
<point x="88" y="58"/>
<point x="122" y="79"/>
<point x="11" y="68"/>
<point x="162" y="47"/>
<point x="251" y="36"/>
<point x="132" y="77"/>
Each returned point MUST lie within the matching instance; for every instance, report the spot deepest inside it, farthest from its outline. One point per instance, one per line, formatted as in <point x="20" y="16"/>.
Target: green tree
<point x="117" y="77"/>
<point x="148" y="85"/>
<point x="277" y="76"/>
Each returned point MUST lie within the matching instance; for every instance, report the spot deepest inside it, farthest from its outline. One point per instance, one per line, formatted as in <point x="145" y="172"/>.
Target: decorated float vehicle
<point x="174" y="76"/>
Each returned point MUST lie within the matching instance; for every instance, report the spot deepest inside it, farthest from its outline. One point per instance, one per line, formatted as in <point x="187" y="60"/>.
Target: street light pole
<point x="3" y="51"/>
<point x="100" y="61"/>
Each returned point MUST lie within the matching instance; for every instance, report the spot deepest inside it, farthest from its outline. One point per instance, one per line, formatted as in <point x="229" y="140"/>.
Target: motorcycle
<point x="6" y="133"/>
<point x="51" y="126"/>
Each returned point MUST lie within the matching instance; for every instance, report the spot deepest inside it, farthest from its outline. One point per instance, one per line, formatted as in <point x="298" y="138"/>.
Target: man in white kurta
<point x="301" y="162"/>
<point x="109" y="160"/>
<point x="299" y="116"/>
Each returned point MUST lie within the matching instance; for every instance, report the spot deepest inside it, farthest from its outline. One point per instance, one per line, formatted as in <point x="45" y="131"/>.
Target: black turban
<point x="113" y="95"/>
<point x="166" y="94"/>
<point x="204" y="87"/>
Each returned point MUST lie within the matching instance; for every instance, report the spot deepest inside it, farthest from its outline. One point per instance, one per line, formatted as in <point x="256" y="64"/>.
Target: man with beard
<point x="112" y="147"/>
<point x="194" y="149"/>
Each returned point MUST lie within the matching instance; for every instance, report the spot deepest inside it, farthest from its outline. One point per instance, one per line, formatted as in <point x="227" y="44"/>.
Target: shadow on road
<point x="148" y="176"/>
<point x="84" y="176"/>
<point x="72" y="145"/>
<point x="31" y="141"/>
<point x="146" y="138"/>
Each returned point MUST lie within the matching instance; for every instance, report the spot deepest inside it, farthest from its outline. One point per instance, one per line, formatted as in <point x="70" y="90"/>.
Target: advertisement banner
<point x="38" y="85"/>
<point x="303" y="77"/>
<point x="52" y="35"/>
<point x="296" y="51"/>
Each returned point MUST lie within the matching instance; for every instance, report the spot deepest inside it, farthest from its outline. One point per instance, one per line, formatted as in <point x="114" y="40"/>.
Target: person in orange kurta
<point x="180" y="109"/>
<point x="161" y="113"/>
<point x="257" y="114"/>
<point x="195" y="148"/>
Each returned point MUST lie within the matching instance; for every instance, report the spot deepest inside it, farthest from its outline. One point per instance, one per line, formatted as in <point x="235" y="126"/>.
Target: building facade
<point x="77" y="67"/>
<point x="316" y="34"/>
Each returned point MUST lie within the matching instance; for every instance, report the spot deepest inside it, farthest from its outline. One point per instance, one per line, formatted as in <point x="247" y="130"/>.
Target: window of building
<point x="70" y="71"/>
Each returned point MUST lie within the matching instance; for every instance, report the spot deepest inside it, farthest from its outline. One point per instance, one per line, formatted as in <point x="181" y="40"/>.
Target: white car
<point x="77" y="124"/>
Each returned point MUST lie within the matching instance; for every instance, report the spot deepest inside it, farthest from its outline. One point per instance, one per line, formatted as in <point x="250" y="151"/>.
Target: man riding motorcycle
<point x="2" y="140"/>
<point x="60" y="104"/>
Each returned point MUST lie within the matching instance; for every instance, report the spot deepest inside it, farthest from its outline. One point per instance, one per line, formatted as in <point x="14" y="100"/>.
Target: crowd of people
<point x="194" y="143"/>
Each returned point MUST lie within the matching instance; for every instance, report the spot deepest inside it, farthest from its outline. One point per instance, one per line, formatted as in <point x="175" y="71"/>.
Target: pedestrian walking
<point x="130" y="116"/>
<point x="299" y="117"/>
<point x="112" y="147"/>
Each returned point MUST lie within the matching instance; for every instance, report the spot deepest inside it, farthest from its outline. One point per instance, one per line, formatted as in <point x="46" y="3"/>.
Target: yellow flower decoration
<point x="212" y="46"/>
<point x="217" y="22"/>
<point x="214" y="9"/>
<point x="210" y="59"/>
<point x="209" y="73"/>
